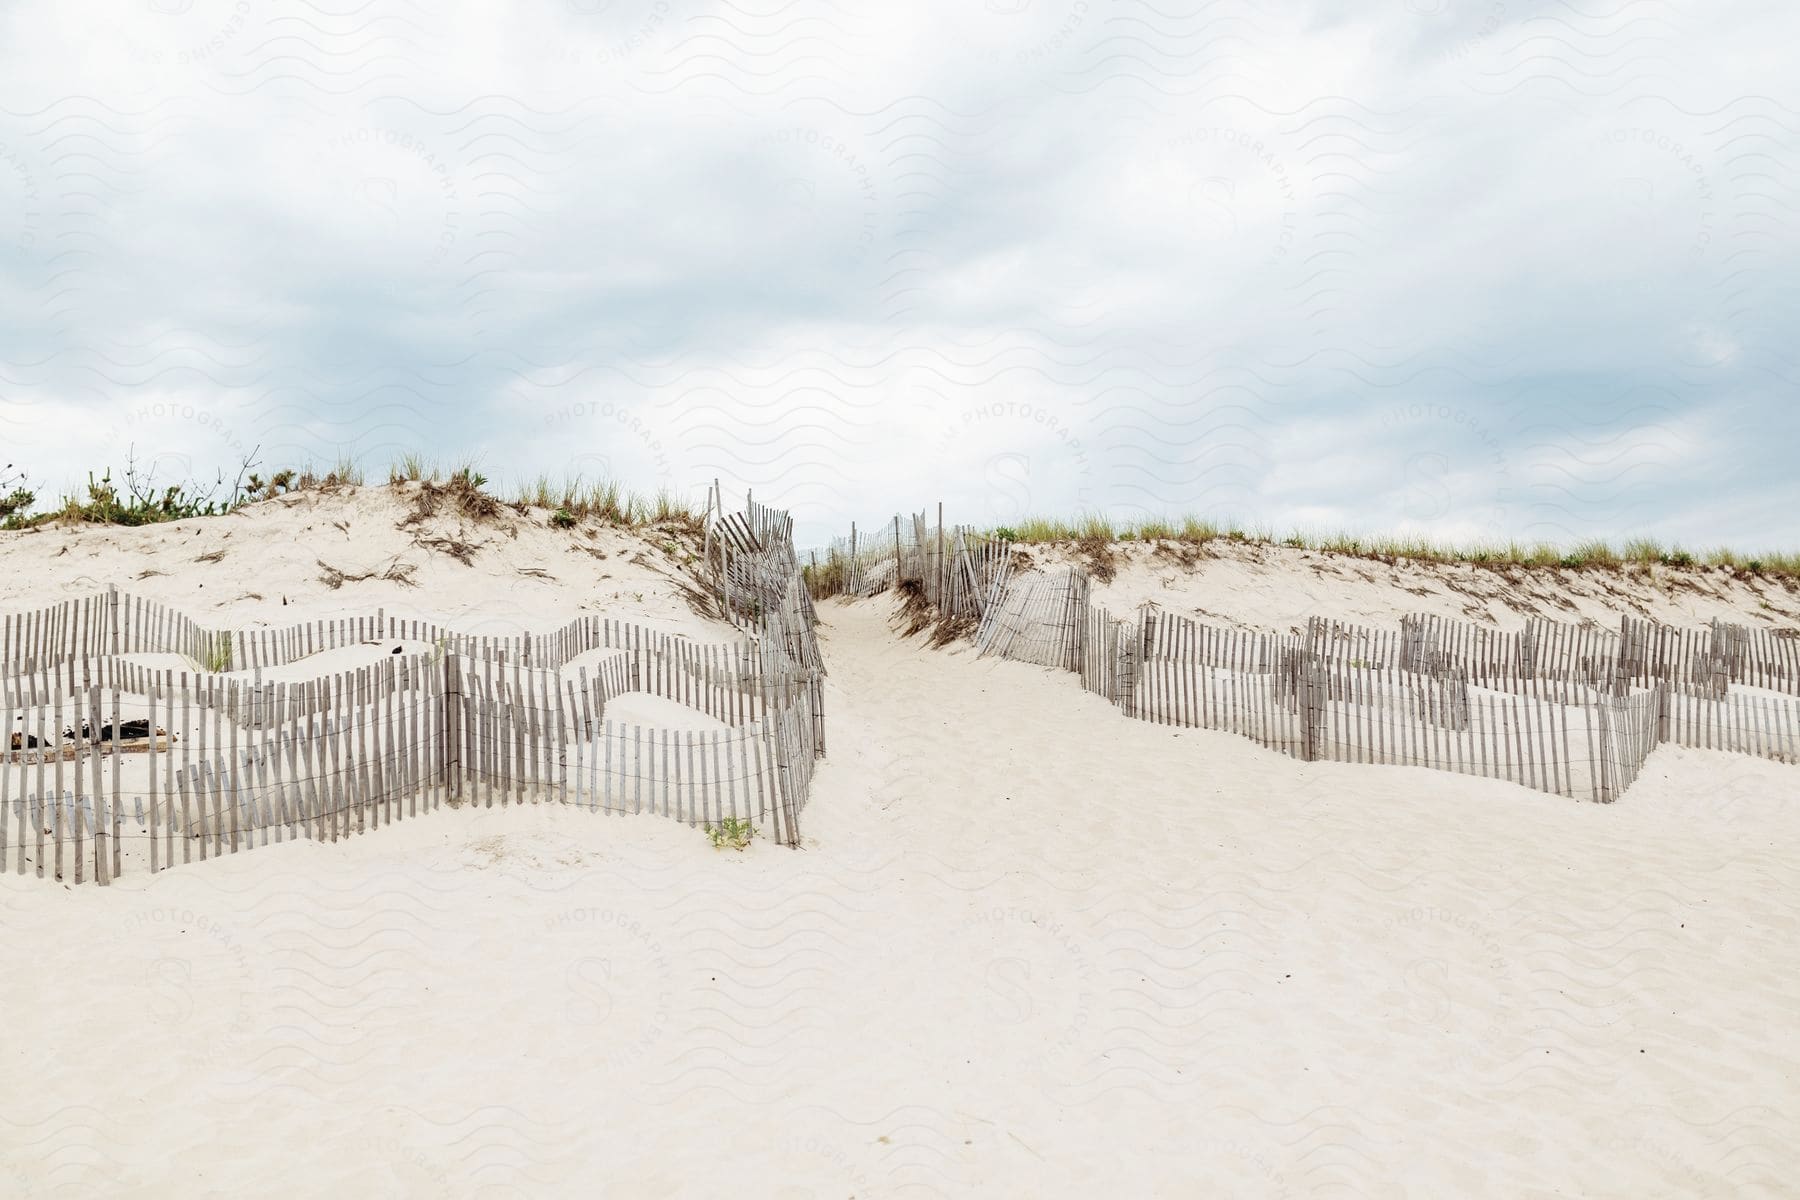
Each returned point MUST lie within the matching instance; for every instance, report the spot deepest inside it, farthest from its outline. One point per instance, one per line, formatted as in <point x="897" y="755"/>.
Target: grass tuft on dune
<point x="139" y="499"/>
<point x="1589" y="554"/>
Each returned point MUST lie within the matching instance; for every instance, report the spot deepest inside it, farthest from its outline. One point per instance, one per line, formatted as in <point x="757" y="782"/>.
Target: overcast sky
<point x="1478" y="269"/>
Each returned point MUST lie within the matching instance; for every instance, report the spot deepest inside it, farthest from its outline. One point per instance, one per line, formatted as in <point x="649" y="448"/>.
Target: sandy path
<point x="1031" y="948"/>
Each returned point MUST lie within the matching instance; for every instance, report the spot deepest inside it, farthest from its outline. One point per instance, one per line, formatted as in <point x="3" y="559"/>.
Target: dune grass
<point x="142" y="500"/>
<point x="1588" y="554"/>
<point x="566" y="503"/>
<point x="574" y="499"/>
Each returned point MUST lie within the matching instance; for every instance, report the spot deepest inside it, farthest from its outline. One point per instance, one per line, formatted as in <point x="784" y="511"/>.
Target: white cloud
<point x="1416" y="265"/>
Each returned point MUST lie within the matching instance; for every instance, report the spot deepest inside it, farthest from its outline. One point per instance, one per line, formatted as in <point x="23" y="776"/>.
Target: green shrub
<point x="14" y="504"/>
<point x="140" y="504"/>
<point x="13" y="507"/>
<point x="278" y="484"/>
<point x="733" y="833"/>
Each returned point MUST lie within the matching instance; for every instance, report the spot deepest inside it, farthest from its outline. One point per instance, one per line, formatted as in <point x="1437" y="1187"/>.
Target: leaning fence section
<point x="1036" y="620"/>
<point x="955" y="568"/>
<point x="136" y="739"/>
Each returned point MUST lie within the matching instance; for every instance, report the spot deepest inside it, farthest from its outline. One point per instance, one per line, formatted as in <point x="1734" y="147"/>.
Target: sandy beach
<point x="989" y="599"/>
<point x="1027" y="947"/>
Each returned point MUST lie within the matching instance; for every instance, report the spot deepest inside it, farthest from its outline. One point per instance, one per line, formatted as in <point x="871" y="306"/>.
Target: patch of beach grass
<point x="1592" y="554"/>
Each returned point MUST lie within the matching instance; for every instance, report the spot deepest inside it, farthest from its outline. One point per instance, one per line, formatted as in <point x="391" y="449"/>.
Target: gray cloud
<point x="1493" y="270"/>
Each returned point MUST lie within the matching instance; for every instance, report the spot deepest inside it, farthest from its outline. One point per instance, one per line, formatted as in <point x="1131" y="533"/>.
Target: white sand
<point x="658" y="712"/>
<point x="524" y="574"/>
<point x="336" y="661"/>
<point x="592" y="661"/>
<point x="1030" y="948"/>
<point x="163" y="662"/>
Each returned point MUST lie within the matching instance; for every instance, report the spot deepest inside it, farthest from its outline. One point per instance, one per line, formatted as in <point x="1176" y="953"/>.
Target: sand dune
<point x="1029" y="947"/>
<point x="1274" y="589"/>
<point x="266" y="565"/>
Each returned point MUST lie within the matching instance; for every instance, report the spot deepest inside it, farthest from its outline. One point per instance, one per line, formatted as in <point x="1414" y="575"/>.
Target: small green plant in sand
<point x="733" y="833"/>
<point x="278" y="484"/>
<point x="216" y="654"/>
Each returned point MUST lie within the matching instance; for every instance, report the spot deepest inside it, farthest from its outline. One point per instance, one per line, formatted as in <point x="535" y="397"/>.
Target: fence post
<point x="450" y="754"/>
<point x="939" y="598"/>
<point x="1603" y="771"/>
<point x="102" y="861"/>
<point x="1721" y="660"/>
<point x="1076" y="607"/>
<point x="725" y="577"/>
<point x="715" y="506"/>
<point x="1308" y="686"/>
<point x="1126" y="642"/>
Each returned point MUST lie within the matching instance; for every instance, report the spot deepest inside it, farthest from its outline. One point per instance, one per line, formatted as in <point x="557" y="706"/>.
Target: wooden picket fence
<point x="232" y="762"/>
<point x="955" y="568"/>
<point x="1571" y="709"/>
<point x="1558" y="709"/>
